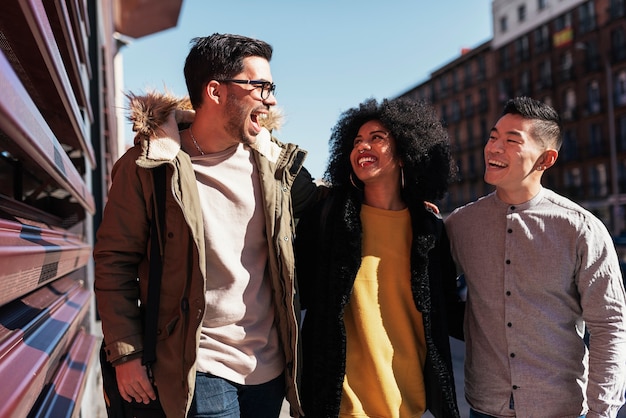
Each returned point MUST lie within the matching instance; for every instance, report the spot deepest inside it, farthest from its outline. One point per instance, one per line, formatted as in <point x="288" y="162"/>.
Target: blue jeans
<point x="216" y="397"/>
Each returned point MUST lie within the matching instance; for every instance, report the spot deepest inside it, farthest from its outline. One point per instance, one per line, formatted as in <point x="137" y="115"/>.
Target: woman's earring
<point x="402" y="176"/>
<point x="353" y="183"/>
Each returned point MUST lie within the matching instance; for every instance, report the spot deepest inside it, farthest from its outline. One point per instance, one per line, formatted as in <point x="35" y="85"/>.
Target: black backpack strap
<point x="151" y="311"/>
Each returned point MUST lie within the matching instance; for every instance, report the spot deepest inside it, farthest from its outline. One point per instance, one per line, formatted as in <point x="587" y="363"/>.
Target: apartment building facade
<point x="568" y="53"/>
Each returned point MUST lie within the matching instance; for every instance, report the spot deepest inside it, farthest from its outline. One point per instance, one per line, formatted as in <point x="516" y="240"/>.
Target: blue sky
<point x="329" y="55"/>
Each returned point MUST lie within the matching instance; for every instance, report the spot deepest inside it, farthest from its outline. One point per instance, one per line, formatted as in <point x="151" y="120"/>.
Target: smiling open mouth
<point x="363" y="161"/>
<point x="496" y="163"/>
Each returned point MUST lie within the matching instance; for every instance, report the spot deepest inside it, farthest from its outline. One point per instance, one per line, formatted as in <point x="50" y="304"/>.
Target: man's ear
<point x="548" y="158"/>
<point x="214" y="90"/>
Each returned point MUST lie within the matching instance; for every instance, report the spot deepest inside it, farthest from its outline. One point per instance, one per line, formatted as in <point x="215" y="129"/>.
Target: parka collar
<point x="156" y="117"/>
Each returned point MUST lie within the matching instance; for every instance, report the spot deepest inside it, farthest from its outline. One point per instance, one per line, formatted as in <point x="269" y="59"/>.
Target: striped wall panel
<point x="20" y="119"/>
<point x="63" y="396"/>
<point x="65" y="23"/>
<point x="36" y="332"/>
<point x="58" y="141"/>
<point x="47" y="319"/>
<point x="33" y="255"/>
<point x="38" y="54"/>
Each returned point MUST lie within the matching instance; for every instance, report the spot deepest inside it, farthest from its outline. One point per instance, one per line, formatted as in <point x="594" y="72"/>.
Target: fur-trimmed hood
<point x="158" y="117"/>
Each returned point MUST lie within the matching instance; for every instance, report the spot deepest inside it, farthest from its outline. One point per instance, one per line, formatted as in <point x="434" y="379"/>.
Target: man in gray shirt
<point x="539" y="269"/>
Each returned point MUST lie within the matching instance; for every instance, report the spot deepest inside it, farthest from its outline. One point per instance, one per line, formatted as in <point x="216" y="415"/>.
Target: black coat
<point x="328" y="256"/>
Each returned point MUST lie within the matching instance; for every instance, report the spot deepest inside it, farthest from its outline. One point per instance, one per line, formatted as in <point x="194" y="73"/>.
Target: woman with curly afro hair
<point x="375" y="273"/>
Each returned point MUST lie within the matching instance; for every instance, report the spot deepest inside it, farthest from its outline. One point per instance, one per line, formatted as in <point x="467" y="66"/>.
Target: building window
<point x="469" y="106"/>
<point x="456" y="111"/>
<point x="524" y="84"/>
<point x="621" y="133"/>
<point x="618" y="45"/>
<point x="563" y="22"/>
<point x="587" y="17"/>
<point x="569" y="150"/>
<point x="592" y="56"/>
<point x="545" y="74"/>
<point x="471" y="169"/>
<point x="505" y="59"/>
<point x="548" y="100"/>
<point x="427" y="90"/>
<point x="617" y="8"/>
<point x="421" y="95"/>
<point x="541" y="4"/>
<point x="467" y="78"/>
<point x="595" y="140"/>
<point x="620" y="88"/>
<point x="573" y="181"/>
<point x="503" y="24"/>
<point x="621" y="175"/>
<point x="569" y="98"/>
<point x="431" y="93"/>
<point x="470" y="134"/>
<point x="542" y="39"/>
<point x="593" y="98"/>
<point x="483" y="103"/>
<point x="457" y="139"/>
<point x="505" y="90"/>
<point x="598" y="181"/>
<point x="455" y="82"/>
<point x="443" y="86"/>
<point x="521" y="13"/>
<point x="484" y="132"/>
<point x="567" y="66"/>
<point x="522" y="51"/>
<point x="482" y="71"/>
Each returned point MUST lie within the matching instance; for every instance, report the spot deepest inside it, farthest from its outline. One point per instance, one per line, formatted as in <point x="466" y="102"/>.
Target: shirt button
<point x="515" y="387"/>
<point x="512" y="207"/>
<point x="508" y="293"/>
<point x="508" y="261"/>
<point x="512" y="355"/>
<point x="509" y="230"/>
<point x="509" y="325"/>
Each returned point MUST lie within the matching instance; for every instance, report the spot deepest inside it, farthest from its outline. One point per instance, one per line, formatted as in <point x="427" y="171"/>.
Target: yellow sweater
<point x="385" y="335"/>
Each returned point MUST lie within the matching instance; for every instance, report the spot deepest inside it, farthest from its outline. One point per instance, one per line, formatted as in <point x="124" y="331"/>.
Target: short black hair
<point x="547" y="123"/>
<point x="219" y="56"/>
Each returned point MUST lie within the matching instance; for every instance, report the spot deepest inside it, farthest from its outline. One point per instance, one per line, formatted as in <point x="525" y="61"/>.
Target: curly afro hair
<point x="421" y="144"/>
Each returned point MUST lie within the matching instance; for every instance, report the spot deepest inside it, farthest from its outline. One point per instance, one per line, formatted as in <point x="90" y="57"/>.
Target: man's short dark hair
<point x="219" y="56"/>
<point x="546" y="120"/>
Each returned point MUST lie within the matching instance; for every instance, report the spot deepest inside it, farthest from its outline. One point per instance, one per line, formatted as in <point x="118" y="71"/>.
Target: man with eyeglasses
<point x="228" y="314"/>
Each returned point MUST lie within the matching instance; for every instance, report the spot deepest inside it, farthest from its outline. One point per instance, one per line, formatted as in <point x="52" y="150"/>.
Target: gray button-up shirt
<point x="537" y="274"/>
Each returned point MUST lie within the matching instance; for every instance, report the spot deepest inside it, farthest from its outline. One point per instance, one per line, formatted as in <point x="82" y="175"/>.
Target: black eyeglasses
<point x="267" y="87"/>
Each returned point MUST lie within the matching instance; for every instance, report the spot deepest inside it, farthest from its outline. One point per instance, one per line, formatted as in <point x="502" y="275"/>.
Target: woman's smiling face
<point x="373" y="155"/>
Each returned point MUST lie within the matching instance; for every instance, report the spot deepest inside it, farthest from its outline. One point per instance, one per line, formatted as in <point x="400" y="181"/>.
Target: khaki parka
<point x="122" y="249"/>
